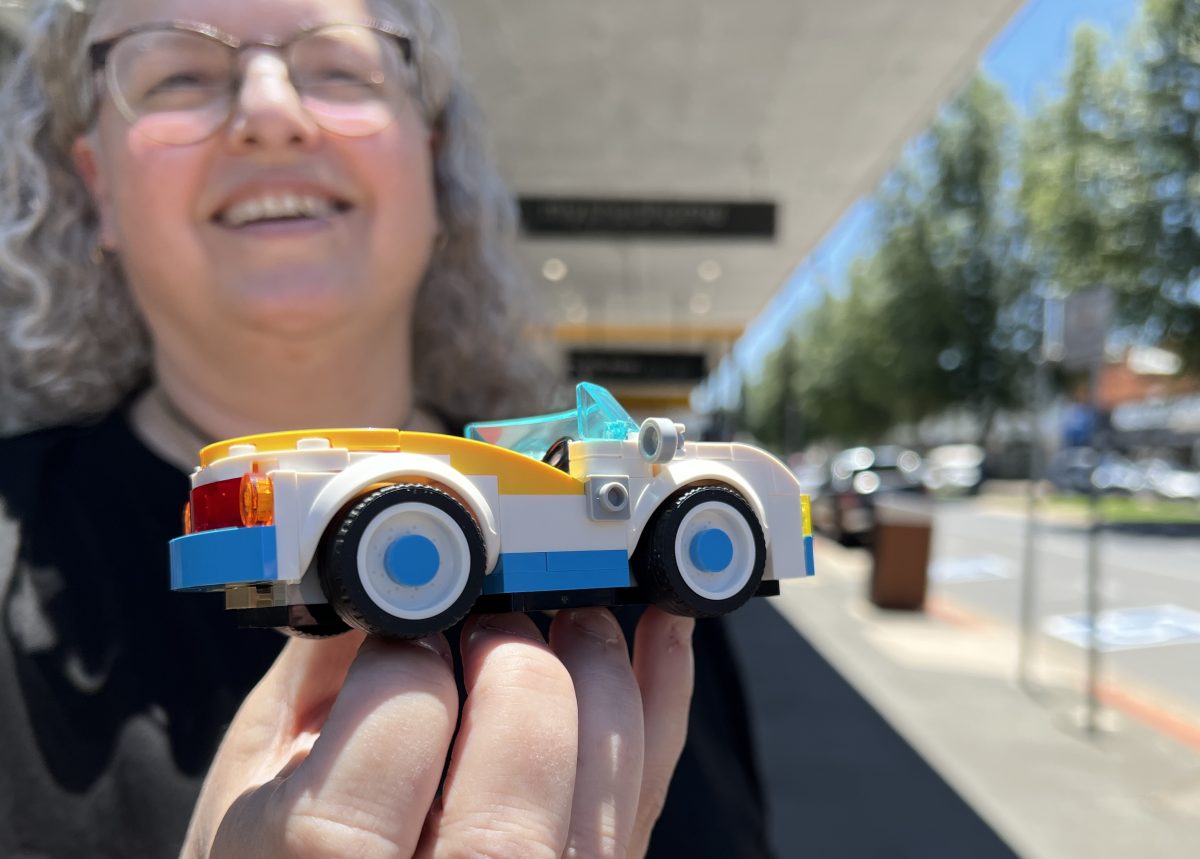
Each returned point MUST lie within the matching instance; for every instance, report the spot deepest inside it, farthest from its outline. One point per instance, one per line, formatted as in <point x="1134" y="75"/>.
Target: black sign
<point x="610" y="366"/>
<point x="581" y="216"/>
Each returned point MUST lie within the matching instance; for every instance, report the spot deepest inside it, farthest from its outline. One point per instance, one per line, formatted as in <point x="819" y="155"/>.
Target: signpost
<point x="1075" y="331"/>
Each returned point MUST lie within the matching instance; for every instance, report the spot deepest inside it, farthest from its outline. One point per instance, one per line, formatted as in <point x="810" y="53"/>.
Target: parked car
<point x="1170" y="481"/>
<point x="1082" y="469"/>
<point x="402" y="533"/>
<point x="1116" y="474"/>
<point x="953" y="468"/>
<point x="844" y="507"/>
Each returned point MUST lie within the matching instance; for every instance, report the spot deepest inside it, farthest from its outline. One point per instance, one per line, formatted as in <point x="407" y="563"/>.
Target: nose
<point x="267" y="112"/>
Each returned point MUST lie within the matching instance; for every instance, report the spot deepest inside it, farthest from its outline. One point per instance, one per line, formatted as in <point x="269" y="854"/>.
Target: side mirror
<point x="659" y="439"/>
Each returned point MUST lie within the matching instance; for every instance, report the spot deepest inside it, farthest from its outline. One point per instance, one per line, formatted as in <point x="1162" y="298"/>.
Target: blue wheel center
<point x="412" y="560"/>
<point x="711" y="550"/>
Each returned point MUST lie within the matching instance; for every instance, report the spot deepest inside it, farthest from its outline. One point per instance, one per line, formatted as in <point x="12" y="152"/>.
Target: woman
<point x="219" y="218"/>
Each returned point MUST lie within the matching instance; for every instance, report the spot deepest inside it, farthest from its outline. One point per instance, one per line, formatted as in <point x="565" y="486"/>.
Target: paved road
<point x="977" y="564"/>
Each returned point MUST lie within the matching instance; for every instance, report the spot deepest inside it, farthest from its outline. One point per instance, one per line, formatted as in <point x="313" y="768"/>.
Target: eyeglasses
<point x="177" y="82"/>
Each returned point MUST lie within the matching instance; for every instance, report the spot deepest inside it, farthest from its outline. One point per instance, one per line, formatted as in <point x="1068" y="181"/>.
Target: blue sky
<point x="1028" y="58"/>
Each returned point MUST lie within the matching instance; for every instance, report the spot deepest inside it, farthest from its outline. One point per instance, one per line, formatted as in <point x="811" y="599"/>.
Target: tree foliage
<point x="918" y="327"/>
<point x="1164" y="296"/>
<point x="1101" y="186"/>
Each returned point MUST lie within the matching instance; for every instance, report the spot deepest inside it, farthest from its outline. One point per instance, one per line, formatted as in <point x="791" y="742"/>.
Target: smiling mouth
<point x="280" y="209"/>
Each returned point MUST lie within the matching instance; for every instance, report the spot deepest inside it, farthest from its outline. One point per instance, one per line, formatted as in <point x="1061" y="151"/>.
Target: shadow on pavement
<point x="1155" y="529"/>
<point x="840" y="781"/>
<point x="1129" y="529"/>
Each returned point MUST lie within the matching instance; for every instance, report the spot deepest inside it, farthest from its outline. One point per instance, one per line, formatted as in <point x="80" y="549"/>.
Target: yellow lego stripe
<point x="806" y="515"/>
<point x="516" y="474"/>
<point x="273" y="442"/>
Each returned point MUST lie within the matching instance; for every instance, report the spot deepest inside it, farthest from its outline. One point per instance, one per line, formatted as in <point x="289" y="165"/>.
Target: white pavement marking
<point x="1129" y="628"/>
<point x="971" y="568"/>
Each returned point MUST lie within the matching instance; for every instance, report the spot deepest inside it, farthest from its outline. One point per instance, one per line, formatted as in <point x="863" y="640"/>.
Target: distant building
<point x="1149" y="405"/>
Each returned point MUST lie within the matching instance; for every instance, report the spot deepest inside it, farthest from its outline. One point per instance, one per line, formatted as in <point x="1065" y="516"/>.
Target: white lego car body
<point x="401" y="532"/>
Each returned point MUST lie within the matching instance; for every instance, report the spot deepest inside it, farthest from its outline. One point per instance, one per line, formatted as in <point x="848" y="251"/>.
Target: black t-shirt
<point x="115" y="691"/>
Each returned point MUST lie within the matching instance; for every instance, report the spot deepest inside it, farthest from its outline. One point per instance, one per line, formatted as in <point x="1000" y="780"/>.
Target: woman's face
<point x="174" y="212"/>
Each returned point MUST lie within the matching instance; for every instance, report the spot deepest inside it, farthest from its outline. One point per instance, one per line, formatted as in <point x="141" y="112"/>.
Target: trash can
<point x="900" y="552"/>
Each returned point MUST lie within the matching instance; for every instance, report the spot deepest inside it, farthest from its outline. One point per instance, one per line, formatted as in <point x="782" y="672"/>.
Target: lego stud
<point x="711" y="550"/>
<point x="614" y="497"/>
<point x="659" y="440"/>
<point x="412" y="560"/>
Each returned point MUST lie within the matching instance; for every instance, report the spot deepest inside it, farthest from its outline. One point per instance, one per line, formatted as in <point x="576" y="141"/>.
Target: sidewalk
<point x="943" y="680"/>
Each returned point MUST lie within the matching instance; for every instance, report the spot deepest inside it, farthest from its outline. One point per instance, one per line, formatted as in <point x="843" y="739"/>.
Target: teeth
<point x="273" y="206"/>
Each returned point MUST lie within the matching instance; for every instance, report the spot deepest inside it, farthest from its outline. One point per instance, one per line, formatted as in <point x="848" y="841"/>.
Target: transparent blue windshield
<point x="597" y="415"/>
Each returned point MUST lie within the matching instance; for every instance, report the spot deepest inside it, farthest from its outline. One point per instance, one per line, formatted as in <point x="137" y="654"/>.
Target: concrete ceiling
<point x="805" y="103"/>
<point x="802" y="102"/>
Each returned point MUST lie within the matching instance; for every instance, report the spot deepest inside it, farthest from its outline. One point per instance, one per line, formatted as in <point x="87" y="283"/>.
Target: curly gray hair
<point x="72" y="343"/>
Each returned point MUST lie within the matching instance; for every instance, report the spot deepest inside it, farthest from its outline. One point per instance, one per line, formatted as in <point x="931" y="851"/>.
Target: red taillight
<point x="217" y="505"/>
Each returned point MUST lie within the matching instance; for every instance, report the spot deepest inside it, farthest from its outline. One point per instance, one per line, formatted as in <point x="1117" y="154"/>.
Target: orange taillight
<point x="187" y="518"/>
<point x="257" y="499"/>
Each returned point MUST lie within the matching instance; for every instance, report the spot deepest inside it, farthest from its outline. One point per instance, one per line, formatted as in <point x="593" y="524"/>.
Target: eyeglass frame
<point x="98" y="52"/>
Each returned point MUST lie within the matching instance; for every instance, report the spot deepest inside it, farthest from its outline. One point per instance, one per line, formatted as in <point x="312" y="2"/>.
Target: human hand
<point x="565" y="749"/>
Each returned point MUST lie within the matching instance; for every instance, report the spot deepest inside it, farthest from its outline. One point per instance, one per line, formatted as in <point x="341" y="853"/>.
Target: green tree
<point x="844" y="352"/>
<point x="1081" y="191"/>
<point x="1164" y="293"/>
<point x="947" y="268"/>
<point x="772" y="410"/>
<point x="926" y="322"/>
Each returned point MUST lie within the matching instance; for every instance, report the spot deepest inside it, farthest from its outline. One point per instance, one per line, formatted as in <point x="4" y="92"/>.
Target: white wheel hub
<point x="452" y="558"/>
<point x="714" y="550"/>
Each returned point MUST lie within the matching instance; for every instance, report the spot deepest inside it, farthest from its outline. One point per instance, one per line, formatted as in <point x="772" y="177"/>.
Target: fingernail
<point x="505" y="624"/>
<point x="681" y="632"/>
<point x="597" y="623"/>
<point x="437" y="644"/>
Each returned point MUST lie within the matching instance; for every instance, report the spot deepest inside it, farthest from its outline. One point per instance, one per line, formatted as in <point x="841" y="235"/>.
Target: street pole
<point x="1028" y="637"/>
<point x="1099" y="446"/>
<point x="1050" y="349"/>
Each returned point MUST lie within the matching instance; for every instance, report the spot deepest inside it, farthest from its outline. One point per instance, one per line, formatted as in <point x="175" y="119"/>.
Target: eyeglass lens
<point x="177" y="86"/>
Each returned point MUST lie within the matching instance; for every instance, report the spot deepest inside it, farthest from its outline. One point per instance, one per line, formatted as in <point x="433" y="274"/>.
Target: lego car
<point x="402" y="533"/>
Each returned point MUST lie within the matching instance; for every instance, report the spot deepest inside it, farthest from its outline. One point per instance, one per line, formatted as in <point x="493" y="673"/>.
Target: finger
<point x="276" y="723"/>
<point x="509" y="787"/>
<point x="608" y="776"/>
<point x="365" y="788"/>
<point x="663" y="665"/>
<point x="307" y="676"/>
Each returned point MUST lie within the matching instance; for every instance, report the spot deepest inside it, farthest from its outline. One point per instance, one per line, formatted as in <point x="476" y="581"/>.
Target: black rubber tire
<point x="322" y="621"/>
<point x="658" y="568"/>
<point x="341" y="580"/>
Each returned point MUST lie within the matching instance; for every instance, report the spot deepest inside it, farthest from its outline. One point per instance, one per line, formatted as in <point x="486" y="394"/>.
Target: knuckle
<point x="499" y="835"/>
<point x="314" y="836"/>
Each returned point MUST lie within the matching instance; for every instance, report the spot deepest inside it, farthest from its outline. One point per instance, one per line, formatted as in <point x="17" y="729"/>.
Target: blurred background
<point x="943" y="258"/>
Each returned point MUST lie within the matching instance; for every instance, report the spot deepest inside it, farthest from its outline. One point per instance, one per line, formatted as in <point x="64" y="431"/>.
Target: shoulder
<point x="23" y="458"/>
<point x="55" y="458"/>
<point x="46" y="472"/>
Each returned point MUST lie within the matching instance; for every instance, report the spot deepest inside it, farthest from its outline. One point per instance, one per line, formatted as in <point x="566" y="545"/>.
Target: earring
<point x="98" y="254"/>
<point x="441" y="238"/>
